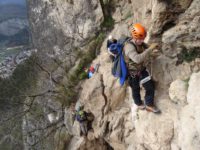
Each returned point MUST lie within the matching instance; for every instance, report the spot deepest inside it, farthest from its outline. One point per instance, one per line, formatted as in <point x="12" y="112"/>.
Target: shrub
<point x="188" y="55"/>
<point x="69" y="90"/>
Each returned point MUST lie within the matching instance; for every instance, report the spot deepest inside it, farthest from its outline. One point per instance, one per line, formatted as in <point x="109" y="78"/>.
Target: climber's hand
<point x="153" y="46"/>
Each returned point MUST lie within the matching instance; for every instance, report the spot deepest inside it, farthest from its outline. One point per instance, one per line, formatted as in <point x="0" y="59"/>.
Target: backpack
<point x="119" y="68"/>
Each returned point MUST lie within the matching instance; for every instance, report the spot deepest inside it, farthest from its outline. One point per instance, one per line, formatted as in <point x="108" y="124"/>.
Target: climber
<point x="91" y="71"/>
<point x="81" y="117"/>
<point x="136" y="53"/>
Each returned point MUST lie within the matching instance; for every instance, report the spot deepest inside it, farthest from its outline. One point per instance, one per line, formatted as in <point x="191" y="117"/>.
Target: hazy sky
<point x="12" y="2"/>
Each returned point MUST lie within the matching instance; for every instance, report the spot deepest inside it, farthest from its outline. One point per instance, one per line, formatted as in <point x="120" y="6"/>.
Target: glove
<point x="153" y="46"/>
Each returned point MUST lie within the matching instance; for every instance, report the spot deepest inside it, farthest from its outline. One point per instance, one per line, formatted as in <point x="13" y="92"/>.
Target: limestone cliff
<point x="175" y="26"/>
<point x="66" y="32"/>
<point x="63" y="32"/>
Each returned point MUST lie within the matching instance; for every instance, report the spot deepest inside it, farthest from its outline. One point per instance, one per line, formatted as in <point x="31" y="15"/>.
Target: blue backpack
<point x="119" y="68"/>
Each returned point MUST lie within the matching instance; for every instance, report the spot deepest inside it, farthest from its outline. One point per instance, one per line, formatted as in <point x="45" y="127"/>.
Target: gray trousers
<point x="84" y="127"/>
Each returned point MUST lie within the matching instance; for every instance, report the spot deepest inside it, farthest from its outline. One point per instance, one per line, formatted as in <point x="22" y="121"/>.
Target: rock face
<point x="159" y="14"/>
<point x="59" y="27"/>
<point x="190" y="119"/>
<point x="60" y="30"/>
<point x="121" y="125"/>
<point x="178" y="91"/>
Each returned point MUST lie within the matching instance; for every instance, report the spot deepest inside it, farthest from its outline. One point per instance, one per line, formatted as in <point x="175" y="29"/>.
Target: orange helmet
<point x="138" y="31"/>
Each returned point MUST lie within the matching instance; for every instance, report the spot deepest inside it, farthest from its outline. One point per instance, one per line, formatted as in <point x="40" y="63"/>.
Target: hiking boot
<point x="141" y="107"/>
<point x="152" y="109"/>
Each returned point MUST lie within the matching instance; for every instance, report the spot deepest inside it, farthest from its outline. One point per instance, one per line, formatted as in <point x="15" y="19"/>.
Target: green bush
<point x="188" y="55"/>
<point x="83" y="75"/>
<point x="69" y="89"/>
<point x="107" y="8"/>
<point x="87" y="58"/>
<point x="108" y="22"/>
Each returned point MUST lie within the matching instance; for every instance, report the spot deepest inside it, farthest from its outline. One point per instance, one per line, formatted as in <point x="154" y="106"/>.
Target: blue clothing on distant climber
<point x="90" y="74"/>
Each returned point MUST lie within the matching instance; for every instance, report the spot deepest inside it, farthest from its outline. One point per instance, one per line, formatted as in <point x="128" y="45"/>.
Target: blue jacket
<point x="119" y="68"/>
<point x="90" y="74"/>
